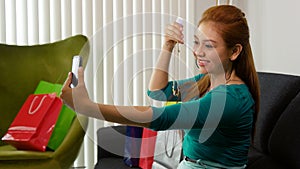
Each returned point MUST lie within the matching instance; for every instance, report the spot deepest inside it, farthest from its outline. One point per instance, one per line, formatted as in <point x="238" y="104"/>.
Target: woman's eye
<point x="209" y="46"/>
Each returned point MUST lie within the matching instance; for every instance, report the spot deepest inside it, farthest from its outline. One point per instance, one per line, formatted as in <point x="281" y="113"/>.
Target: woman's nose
<point x="198" y="51"/>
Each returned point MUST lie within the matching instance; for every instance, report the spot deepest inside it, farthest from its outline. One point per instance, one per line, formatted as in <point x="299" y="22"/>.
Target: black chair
<point x="276" y="142"/>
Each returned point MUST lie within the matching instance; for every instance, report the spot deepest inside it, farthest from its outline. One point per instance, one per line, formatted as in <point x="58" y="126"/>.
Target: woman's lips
<point x="203" y="62"/>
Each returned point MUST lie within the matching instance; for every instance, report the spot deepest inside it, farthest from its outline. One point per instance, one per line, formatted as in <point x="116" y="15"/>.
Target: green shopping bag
<point x="65" y="117"/>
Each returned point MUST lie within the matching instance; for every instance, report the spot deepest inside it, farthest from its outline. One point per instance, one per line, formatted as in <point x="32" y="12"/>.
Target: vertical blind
<point x="126" y="38"/>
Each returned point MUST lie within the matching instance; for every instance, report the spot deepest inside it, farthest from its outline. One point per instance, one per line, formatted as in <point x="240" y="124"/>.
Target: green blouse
<point x="217" y="126"/>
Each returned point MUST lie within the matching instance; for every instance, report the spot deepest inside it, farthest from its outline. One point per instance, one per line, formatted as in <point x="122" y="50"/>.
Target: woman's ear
<point x="236" y="50"/>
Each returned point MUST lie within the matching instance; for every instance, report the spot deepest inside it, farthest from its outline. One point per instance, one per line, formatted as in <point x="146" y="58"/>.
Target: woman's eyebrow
<point x="209" y="40"/>
<point x="205" y="40"/>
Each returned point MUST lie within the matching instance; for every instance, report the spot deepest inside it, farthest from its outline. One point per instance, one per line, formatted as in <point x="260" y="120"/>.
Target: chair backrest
<point x="111" y="141"/>
<point x="277" y="91"/>
<point x="23" y="67"/>
<point x="285" y="138"/>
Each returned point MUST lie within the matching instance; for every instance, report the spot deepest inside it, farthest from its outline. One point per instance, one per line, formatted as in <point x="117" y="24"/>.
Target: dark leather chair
<point x="276" y="142"/>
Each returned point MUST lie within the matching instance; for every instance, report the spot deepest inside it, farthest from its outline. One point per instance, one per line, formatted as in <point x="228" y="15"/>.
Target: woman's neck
<point x="220" y="79"/>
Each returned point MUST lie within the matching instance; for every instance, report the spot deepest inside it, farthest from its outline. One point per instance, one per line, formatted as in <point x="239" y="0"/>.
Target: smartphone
<point x="76" y="63"/>
<point x="179" y="20"/>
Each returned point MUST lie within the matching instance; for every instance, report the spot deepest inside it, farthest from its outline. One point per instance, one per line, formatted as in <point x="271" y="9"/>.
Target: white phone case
<point x="77" y="62"/>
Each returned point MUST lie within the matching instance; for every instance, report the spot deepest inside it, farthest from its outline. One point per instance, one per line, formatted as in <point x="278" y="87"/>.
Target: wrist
<point x="168" y="46"/>
<point x="83" y="106"/>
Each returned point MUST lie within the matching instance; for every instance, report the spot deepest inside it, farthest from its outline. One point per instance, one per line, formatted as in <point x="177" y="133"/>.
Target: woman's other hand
<point x="173" y="35"/>
<point x="76" y="98"/>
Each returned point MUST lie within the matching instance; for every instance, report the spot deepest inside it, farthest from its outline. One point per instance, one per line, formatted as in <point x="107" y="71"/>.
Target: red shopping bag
<point x="147" y="148"/>
<point x="33" y="125"/>
<point x="151" y="153"/>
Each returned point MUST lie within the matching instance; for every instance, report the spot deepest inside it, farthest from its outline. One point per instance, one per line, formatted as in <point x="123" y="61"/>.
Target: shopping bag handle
<point x="38" y="107"/>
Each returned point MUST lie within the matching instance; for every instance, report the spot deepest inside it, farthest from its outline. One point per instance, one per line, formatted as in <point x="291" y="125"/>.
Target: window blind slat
<point x="97" y="42"/>
<point x="2" y="21"/>
<point x="137" y="47"/>
<point x="55" y="20"/>
<point x="118" y="81"/>
<point x="128" y="50"/>
<point x="87" y="17"/>
<point x="21" y="23"/>
<point x="157" y="29"/>
<point x="33" y="26"/>
<point x="191" y="25"/>
<point x="66" y="18"/>
<point x="108" y="54"/>
<point x="147" y="47"/>
<point x="76" y="17"/>
<point x="44" y="21"/>
<point x="10" y="18"/>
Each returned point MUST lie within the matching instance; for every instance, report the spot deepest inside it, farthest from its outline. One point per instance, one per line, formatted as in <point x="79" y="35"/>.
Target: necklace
<point x="173" y="143"/>
<point x="227" y="81"/>
<point x="232" y="80"/>
<point x="175" y="87"/>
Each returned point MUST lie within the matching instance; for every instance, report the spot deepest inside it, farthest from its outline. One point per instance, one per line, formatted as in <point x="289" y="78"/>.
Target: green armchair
<point x="21" y="69"/>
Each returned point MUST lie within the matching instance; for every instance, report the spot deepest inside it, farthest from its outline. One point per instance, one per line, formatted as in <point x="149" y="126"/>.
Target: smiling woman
<point x="115" y="21"/>
<point x="219" y="105"/>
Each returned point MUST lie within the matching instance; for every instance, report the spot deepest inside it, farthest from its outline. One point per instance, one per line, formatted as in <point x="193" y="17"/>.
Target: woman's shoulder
<point x="236" y="99"/>
<point x="236" y="92"/>
<point x="238" y="89"/>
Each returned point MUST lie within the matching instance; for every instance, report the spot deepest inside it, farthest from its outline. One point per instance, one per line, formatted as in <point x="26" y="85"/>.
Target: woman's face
<point x="210" y="51"/>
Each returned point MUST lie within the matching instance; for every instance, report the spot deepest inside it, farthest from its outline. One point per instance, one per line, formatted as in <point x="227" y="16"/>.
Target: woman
<point x="218" y="106"/>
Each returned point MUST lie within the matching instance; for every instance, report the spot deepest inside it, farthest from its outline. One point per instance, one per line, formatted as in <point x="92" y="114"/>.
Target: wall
<point x="274" y="31"/>
<point x="277" y="36"/>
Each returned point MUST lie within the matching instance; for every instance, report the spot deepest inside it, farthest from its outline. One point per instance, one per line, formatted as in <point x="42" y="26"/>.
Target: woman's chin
<point x="202" y="70"/>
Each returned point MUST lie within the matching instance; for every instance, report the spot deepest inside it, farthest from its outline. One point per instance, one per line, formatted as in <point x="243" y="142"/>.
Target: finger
<point x="68" y="81"/>
<point x="178" y="26"/>
<point x="174" y="35"/>
<point x="175" y="30"/>
<point x="80" y="76"/>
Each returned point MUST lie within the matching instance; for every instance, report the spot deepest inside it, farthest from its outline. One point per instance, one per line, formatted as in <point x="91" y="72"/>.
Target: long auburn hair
<point x="232" y="26"/>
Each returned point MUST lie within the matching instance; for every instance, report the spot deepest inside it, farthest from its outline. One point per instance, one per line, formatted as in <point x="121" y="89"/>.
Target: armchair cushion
<point x="8" y="152"/>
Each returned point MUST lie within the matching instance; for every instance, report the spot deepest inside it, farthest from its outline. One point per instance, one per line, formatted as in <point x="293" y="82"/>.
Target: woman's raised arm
<point x="159" y="77"/>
